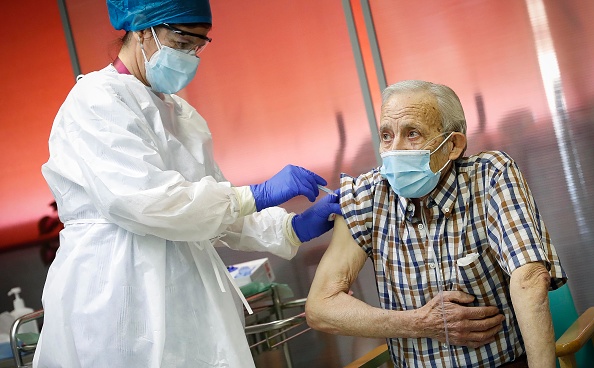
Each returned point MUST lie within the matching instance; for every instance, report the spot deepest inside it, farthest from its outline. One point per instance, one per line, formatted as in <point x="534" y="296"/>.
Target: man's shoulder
<point x="483" y="162"/>
<point x="367" y="180"/>
<point x="359" y="193"/>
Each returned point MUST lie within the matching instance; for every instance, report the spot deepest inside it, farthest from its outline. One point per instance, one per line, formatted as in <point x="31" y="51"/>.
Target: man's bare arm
<point x="529" y="289"/>
<point x="329" y="306"/>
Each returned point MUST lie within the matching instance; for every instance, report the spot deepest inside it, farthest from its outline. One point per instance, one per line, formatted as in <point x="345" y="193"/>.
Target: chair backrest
<point x="564" y="314"/>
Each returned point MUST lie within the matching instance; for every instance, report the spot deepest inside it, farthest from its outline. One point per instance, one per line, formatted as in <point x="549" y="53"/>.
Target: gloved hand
<point x="290" y="182"/>
<point x="315" y="220"/>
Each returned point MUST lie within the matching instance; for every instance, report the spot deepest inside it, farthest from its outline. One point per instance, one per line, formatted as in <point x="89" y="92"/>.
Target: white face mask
<point x="409" y="173"/>
<point x="169" y="70"/>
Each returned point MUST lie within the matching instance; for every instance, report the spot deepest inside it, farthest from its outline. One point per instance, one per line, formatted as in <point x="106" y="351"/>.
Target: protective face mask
<point x="408" y="171"/>
<point x="169" y="70"/>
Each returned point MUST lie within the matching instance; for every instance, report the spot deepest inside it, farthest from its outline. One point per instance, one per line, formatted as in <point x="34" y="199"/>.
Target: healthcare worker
<point x="136" y="281"/>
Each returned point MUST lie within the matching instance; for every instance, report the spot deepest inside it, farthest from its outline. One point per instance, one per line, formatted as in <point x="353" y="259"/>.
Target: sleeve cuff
<point x="289" y="231"/>
<point x="247" y="203"/>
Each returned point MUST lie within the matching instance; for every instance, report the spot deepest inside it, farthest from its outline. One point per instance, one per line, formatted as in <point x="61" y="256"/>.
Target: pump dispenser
<point x="21" y="310"/>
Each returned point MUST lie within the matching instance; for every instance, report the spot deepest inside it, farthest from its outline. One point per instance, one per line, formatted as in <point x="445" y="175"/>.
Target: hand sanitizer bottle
<point x="21" y="310"/>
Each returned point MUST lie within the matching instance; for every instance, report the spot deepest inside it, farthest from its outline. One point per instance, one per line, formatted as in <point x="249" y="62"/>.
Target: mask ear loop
<point x="438" y="147"/>
<point x="440" y="284"/>
<point x="441" y="144"/>
<point x="159" y="45"/>
<point x="142" y="48"/>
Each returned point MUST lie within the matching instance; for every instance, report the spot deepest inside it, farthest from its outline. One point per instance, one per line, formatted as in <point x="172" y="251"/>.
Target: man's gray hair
<point x="450" y="108"/>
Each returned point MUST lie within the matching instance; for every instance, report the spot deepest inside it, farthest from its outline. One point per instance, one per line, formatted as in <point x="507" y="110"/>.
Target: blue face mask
<point x="169" y="70"/>
<point x="408" y="171"/>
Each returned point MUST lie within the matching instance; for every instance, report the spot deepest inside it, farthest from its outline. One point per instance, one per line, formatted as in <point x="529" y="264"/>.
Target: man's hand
<point x="467" y="326"/>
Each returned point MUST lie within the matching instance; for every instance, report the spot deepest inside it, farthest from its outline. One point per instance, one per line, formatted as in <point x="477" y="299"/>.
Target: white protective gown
<point x="136" y="281"/>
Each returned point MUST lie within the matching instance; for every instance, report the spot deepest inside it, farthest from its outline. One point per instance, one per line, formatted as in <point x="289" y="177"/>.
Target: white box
<point x="258" y="270"/>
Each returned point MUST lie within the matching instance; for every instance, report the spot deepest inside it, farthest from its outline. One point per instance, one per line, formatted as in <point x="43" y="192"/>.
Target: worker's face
<point x="411" y="121"/>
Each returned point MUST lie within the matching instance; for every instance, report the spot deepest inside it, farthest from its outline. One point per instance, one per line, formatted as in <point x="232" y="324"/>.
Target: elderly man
<point x="462" y="258"/>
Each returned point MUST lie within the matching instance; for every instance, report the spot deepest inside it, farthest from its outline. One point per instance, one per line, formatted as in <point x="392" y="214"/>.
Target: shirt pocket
<point x="473" y="273"/>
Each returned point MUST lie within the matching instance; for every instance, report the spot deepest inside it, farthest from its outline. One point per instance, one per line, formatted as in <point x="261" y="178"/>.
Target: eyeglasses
<point x="186" y="46"/>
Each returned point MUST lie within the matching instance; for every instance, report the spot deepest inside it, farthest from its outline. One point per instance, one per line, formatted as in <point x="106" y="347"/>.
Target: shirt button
<point x="421" y="227"/>
<point x="431" y="265"/>
<point x="410" y="207"/>
<point x="446" y="210"/>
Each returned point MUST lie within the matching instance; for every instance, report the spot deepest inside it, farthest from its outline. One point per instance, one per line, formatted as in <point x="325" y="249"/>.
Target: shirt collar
<point x="444" y="195"/>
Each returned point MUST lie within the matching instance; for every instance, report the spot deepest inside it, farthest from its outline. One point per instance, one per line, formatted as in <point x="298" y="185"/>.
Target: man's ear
<point x="459" y="141"/>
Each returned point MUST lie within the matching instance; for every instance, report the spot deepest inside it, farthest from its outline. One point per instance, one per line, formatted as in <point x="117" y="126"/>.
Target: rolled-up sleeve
<point x="356" y="203"/>
<point x="514" y="227"/>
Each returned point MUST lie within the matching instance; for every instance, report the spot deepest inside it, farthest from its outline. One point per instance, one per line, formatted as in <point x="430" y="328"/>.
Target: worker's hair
<point x="126" y="37"/>
<point x="450" y="108"/>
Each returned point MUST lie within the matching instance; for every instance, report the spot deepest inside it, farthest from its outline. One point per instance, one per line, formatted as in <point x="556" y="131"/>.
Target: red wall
<point x="278" y="75"/>
<point x="36" y="75"/>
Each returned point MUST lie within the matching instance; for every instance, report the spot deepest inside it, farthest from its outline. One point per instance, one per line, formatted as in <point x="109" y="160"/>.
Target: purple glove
<point x="314" y="221"/>
<point x="290" y="182"/>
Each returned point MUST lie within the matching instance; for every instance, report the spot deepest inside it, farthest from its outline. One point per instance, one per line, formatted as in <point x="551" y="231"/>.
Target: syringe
<point x="324" y="189"/>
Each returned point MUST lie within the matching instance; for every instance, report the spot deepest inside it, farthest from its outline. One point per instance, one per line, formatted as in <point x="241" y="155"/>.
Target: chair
<point x="572" y="332"/>
<point x="374" y="359"/>
<point x="574" y="336"/>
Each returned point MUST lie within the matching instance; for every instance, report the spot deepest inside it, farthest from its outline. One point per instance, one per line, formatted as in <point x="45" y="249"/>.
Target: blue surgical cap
<point x="136" y="15"/>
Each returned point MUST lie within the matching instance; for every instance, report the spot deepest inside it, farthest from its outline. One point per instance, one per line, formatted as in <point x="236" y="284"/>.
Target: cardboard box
<point x="258" y="270"/>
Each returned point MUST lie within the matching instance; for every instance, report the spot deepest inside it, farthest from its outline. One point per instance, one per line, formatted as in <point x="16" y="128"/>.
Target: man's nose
<point x="397" y="144"/>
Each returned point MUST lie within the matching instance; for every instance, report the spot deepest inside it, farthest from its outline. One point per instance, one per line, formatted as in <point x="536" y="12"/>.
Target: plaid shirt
<point x="483" y="206"/>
